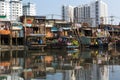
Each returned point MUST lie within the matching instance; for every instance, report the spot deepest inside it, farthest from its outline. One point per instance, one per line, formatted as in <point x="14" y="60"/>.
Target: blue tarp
<point x="54" y="29"/>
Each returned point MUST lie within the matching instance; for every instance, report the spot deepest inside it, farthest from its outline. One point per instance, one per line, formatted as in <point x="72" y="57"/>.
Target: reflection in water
<point x="88" y="64"/>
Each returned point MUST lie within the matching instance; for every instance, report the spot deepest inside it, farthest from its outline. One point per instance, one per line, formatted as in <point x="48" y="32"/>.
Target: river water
<point x="59" y="64"/>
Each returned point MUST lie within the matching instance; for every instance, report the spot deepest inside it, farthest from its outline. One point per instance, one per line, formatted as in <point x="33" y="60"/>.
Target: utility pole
<point x="112" y="24"/>
<point x="113" y="35"/>
<point x="52" y="15"/>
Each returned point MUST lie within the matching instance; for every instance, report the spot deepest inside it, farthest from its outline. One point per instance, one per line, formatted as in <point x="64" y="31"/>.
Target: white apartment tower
<point x="12" y="9"/>
<point x="98" y="10"/>
<point x="5" y="9"/>
<point x="15" y="9"/>
<point x="29" y="9"/>
<point x="68" y="13"/>
<point x="93" y="14"/>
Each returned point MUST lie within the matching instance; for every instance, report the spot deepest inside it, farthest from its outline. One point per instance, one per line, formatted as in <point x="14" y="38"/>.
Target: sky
<point x="48" y="7"/>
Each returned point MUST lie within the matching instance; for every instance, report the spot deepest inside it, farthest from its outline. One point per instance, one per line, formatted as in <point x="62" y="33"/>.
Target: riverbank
<point x="23" y="47"/>
<point x="13" y="47"/>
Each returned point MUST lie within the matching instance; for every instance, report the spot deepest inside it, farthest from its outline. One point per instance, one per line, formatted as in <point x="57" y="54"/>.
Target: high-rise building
<point x="4" y="9"/>
<point x="12" y="9"/>
<point x="82" y="14"/>
<point x="98" y="11"/>
<point x="68" y="13"/>
<point x="93" y="13"/>
<point x="29" y="9"/>
<point x="15" y="9"/>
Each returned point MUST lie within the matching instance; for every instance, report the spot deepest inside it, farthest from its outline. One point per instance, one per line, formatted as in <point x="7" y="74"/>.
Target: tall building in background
<point x="5" y="9"/>
<point x="68" y="13"/>
<point x="15" y="9"/>
<point x="91" y="14"/>
<point x="82" y="14"/>
<point x="98" y="10"/>
<point x="29" y="9"/>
